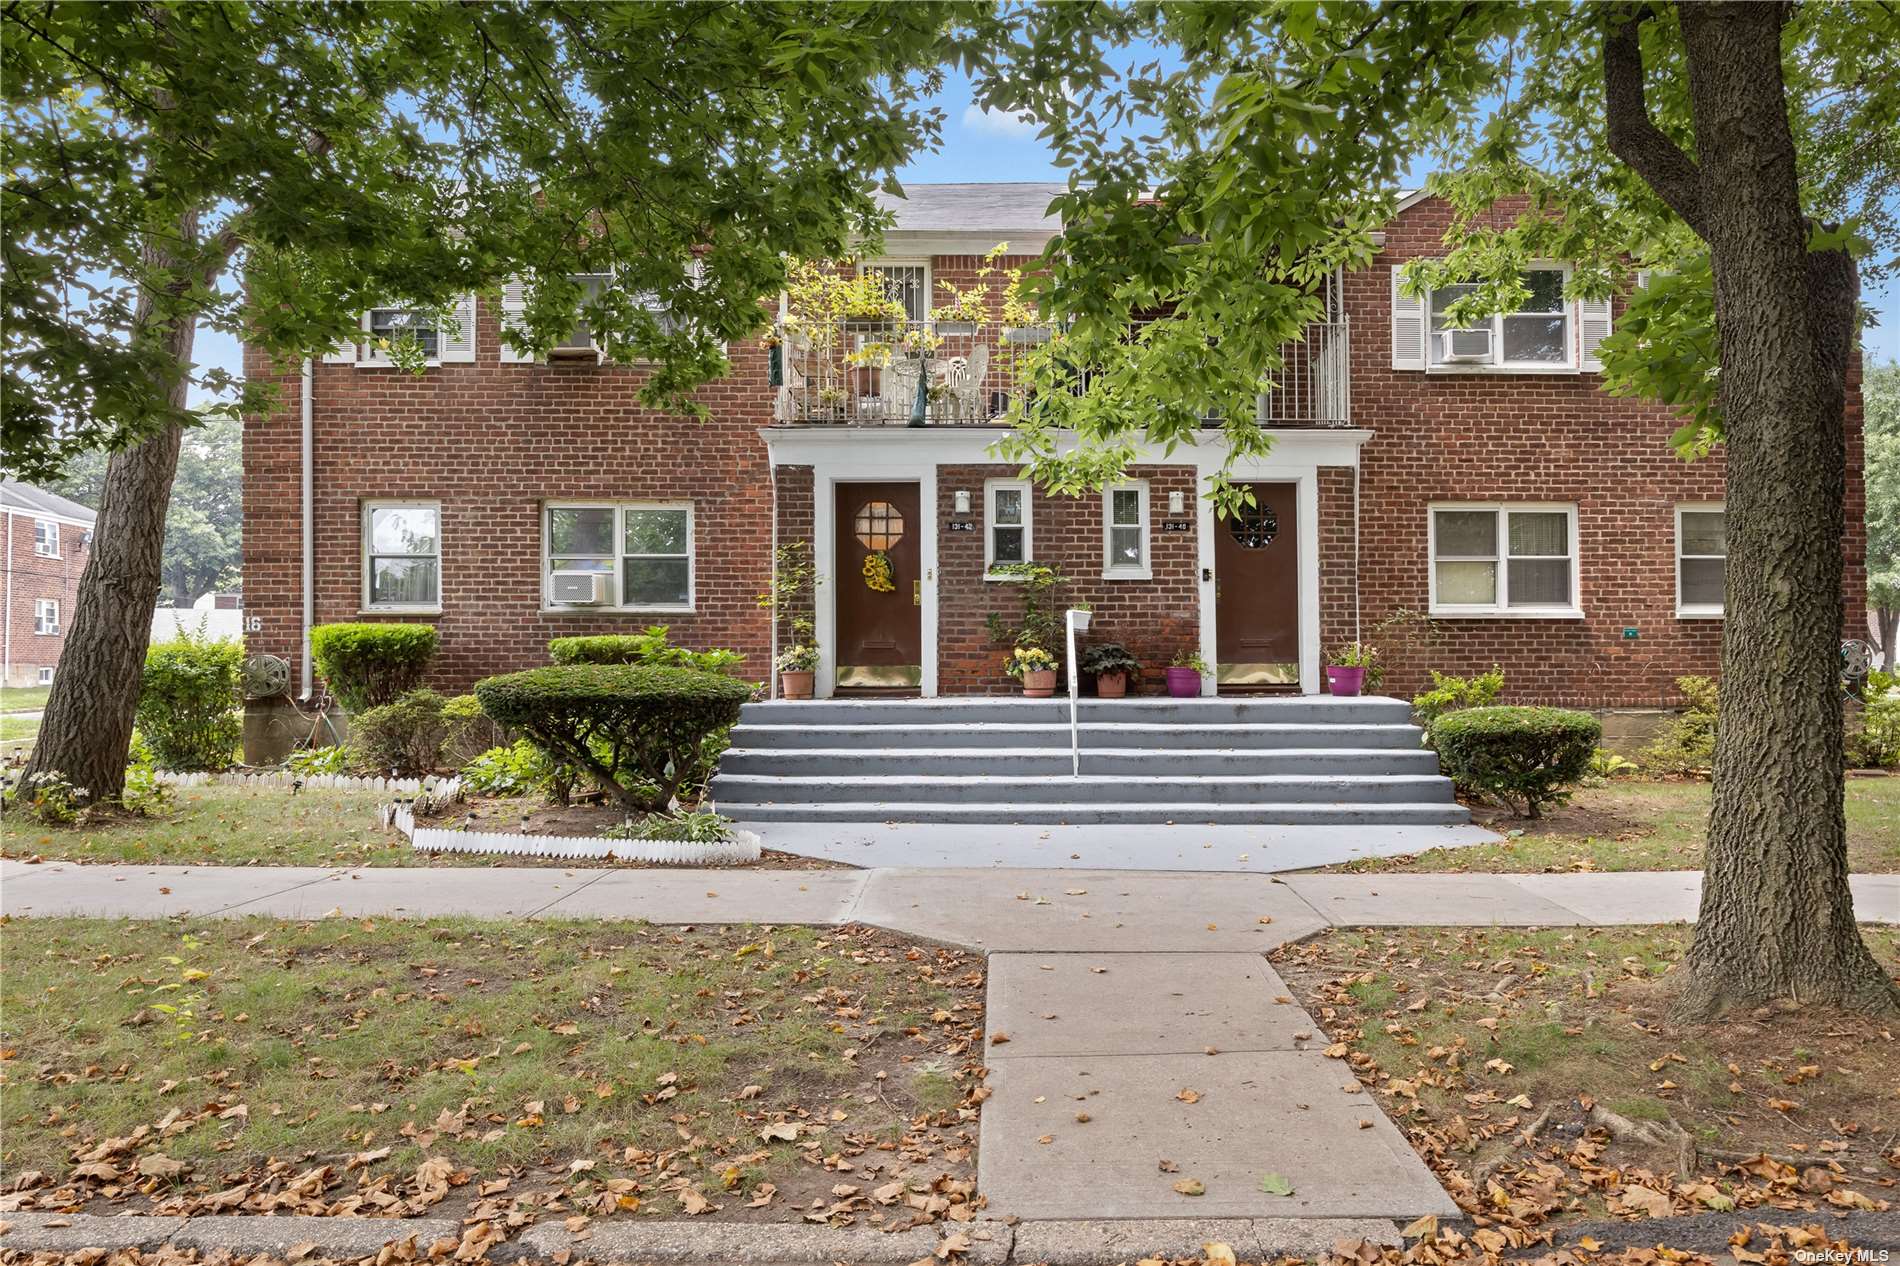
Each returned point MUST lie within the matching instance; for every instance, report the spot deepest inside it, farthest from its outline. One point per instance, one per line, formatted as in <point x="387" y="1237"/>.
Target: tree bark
<point x="1776" y="919"/>
<point x="86" y="731"/>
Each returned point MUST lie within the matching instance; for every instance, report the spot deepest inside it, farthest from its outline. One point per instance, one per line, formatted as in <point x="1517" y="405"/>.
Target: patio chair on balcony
<point x="965" y="379"/>
<point x="901" y="377"/>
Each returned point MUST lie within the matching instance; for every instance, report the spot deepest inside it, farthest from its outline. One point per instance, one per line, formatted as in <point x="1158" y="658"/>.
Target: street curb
<point x="1087" y="1243"/>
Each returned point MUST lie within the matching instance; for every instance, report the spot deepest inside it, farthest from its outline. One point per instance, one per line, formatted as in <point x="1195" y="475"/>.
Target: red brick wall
<point x="1338" y="571"/>
<point x="31" y="576"/>
<point x="795" y="523"/>
<point x="491" y="442"/>
<point x="1484" y="437"/>
<point x="1153" y="618"/>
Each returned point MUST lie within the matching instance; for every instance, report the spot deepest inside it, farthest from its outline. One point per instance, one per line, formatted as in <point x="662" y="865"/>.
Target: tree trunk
<point x="1777" y="919"/>
<point x="1887" y="621"/>
<point x="87" y="728"/>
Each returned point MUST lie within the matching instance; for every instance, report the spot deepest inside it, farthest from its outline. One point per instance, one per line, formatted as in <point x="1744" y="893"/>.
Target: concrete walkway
<point x="1137" y="1037"/>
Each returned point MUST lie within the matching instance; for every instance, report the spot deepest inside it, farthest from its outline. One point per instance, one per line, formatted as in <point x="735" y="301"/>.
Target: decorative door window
<point x="1253" y="527"/>
<point x="879" y="525"/>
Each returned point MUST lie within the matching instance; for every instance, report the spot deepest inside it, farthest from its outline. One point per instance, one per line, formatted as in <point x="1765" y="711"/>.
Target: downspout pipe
<point x="309" y="515"/>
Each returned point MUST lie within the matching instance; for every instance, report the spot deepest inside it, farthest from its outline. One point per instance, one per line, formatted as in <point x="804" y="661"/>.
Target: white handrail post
<point x="1076" y="620"/>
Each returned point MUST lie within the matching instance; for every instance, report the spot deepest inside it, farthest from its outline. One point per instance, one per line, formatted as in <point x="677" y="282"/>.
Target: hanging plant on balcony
<point x="878" y="574"/>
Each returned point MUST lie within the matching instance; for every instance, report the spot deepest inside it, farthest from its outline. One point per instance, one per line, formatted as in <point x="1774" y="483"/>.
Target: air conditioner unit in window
<point x="578" y="588"/>
<point x="1456" y="346"/>
<point x="578" y="345"/>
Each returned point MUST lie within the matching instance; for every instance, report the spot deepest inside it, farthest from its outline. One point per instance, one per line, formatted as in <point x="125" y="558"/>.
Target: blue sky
<point x="979" y="146"/>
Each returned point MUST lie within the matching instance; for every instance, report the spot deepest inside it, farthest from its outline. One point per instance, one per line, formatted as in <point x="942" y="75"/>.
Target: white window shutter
<point x="1593" y="326"/>
<point x="1408" y="328"/>
<point x="461" y="348"/>
<point x="514" y="301"/>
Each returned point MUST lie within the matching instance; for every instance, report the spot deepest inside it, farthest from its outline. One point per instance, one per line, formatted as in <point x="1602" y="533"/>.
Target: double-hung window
<point x="1536" y="336"/>
<point x="644" y="551"/>
<point x="46" y="538"/>
<point x="1701" y="559"/>
<point x="1504" y="560"/>
<point x="1007" y="542"/>
<point x="46" y="617"/>
<point x="393" y="325"/>
<point x="402" y="556"/>
<point x="1125" y="531"/>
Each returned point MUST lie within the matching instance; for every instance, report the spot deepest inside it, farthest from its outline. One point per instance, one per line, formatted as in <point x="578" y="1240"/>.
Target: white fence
<point x="433" y="785"/>
<point x="742" y="848"/>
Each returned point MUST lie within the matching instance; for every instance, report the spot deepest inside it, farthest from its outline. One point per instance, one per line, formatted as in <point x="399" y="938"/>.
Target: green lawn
<point x="1632" y="824"/>
<point x="227" y="825"/>
<point x="16" y="733"/>
<point x="547" y="1055"/>
<point x="23" y="698"/>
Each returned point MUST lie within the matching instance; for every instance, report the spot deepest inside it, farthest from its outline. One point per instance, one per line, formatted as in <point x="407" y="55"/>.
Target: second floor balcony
<point x="944" y="373"/>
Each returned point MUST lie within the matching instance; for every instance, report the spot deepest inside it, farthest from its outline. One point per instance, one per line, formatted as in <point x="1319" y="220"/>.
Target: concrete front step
<point x="1265" y="814"/>
<point x="1184" y="791"/>
<point x="782" y="734"/>
<point x="1058" y="761"/>
<point x="910" y="713"/>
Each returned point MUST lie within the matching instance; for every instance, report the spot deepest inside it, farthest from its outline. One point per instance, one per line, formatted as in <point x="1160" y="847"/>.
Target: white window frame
<point x="46" y="675"/>
<point x="46" y="538"/>
<point x="46" y="617"/>
<point x="369" y="356"/>
<point x="1500" y="607"/>
<point x="1112" y="570"/>
<point x="877" y="265"/>
<point x="619" y="508"/>
<point x="990" y="488"/>
<point x="1698" y="610"/>
<point x="369" y="555"/>
<point x="1497" y="364"/>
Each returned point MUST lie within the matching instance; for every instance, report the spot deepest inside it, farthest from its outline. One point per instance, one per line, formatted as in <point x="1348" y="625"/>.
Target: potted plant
<point x="1185" y="671"/>
<point x="1346" y="668"/>
<point x="1112" y="666"/>
<point x="1035" y="668"/>
<point x="796" y="664"/>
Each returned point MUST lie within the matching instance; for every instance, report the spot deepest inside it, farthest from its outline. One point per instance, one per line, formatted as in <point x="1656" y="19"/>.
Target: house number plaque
<point x="1177" y="525"/>
<point x="963" y="525"/>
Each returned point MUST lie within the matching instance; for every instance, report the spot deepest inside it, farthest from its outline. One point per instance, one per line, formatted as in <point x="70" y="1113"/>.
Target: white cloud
<point x="999" y="122"/>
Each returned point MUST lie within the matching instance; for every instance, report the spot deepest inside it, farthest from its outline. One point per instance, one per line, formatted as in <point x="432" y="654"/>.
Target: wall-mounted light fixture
<point x="961" y="500"/>
<point x="1177" y="504"/>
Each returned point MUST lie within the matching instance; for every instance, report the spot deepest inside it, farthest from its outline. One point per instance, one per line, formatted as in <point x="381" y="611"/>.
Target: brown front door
<point x="1257" y="591"/>
<point x="880" y="630"/>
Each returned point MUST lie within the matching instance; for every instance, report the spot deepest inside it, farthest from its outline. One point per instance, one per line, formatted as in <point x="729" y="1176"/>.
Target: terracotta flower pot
<point x="1039" y="683"/>
<point x="1345" y="682"/>
<point x="1111" y="685"/>
<point x="1184" y="683"/>
<point x="794" y="685"/>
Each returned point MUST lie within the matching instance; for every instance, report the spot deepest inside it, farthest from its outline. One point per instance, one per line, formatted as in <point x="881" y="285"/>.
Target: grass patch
<point x="1467" y="1036"/>
<point x="17" y="733"/>
<point x="1632" y="824"/>
<point x="573" y="1059"/>
<point x="227" y="826"/>
<point x="24" y="698"/>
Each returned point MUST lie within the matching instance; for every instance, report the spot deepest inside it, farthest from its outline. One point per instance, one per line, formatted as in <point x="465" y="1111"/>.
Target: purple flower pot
<point x="1184" y="683"/>
<point x="1345" y="681"/>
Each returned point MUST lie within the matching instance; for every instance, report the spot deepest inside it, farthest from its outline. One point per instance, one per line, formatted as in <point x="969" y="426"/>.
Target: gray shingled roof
<point x="27" y="497"/>
<point x="978" y="208"/>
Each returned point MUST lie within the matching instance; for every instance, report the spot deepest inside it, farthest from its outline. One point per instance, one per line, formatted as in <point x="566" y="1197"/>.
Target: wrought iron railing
<point x="854" y="373"/>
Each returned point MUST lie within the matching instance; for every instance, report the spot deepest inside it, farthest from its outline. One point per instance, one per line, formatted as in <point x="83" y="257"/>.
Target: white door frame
<point x="839" y="455"/>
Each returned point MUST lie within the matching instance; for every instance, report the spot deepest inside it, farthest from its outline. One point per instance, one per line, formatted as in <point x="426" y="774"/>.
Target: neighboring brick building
<point x="47" y="541"/>
<point x="1484" y="481"/>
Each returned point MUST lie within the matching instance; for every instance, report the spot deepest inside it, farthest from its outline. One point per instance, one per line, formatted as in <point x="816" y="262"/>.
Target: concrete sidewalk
<point x="989" y="909"/>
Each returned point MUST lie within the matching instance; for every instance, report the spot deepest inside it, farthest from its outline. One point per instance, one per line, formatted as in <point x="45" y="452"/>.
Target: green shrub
<point x="1450" y="694"/>
<point x="1686" y="744"/>
<point x="334" y="759"/>
<point x="1873" y="739"/>
<point x="516" y="770"/>
<point x="470" y="732"/>
<point x="368" y="665"/>
<point x="1110" y="657"/>
<point x="641" y="733"/>
<point x="403" y="738"/>
<point x="702" y="827"/>
<point x="188" y="702"/>
<point x="649" y="648"/>
<point x="1527" y="757"/>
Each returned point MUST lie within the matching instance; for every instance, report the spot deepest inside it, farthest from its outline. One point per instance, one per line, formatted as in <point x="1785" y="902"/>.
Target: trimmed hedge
<point x="188" y="702"/>
<point x="1527" y="757"/>
<point x="640" y="732"/>
<point x="649" y="648"/>
<point x="368" y="665"/>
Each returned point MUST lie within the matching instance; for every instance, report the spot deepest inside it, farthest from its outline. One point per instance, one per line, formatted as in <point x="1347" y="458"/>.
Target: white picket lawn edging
<point x="741" y="848"/>
<point x="434" y="784"/>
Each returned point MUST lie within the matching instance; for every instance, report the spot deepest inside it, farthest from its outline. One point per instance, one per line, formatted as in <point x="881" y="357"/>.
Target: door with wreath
<point x="879" y="587"/>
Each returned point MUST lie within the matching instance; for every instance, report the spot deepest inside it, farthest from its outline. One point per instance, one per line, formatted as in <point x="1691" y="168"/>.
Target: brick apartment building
<point x="47" y="542"/>
<point x="1485" y="481"/>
